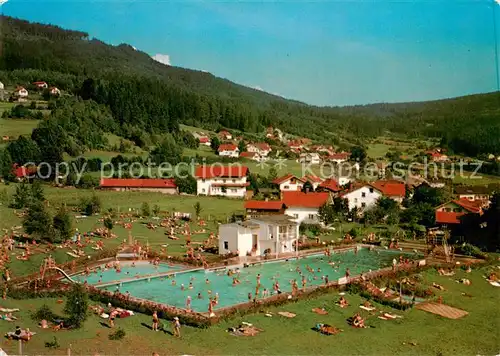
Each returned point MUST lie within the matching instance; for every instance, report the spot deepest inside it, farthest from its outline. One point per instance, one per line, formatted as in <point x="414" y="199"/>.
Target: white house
<point x="362" y="196"/>
<point x="205" y="141"/>
<point x="21" y="92"/>
<point x="310" y="158"/>
<point x="41" y="85"/>
<point x="2" y="87"/>
<point x="273" y="234"/>
<point x="339" y="157"/>
<point x="55" y="91"/>
<point x="289" y="183"/>
<point x="220" y="180"/>
<point x="254" y="156"/>
<point x="229" y="150"/>
<point x="263" y="149"/>
<point x="303" y="207"/>
<point x="225" y="135"/>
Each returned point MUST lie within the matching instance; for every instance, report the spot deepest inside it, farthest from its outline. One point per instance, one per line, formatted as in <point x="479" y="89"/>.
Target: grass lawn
<point x="476" y="333"/>
<point x="213" y="209"/>
<point x="15" y="128"/>
<point x="477" y="179"/>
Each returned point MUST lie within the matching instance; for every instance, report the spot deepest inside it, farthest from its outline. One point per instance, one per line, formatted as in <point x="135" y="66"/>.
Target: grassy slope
<point x="474" y="334"/>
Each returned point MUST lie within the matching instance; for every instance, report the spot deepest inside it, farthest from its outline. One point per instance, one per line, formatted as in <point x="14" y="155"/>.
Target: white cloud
<point x="162" y="58"/>
<point x="2" y="2"/>
<point x="258" y="88"/>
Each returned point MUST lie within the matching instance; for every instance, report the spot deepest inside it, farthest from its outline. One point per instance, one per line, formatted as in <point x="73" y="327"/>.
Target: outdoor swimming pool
<point x="161" y="289"/>
<point x="127" y="271"/>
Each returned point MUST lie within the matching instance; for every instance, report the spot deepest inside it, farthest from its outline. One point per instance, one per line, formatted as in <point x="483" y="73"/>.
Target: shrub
<point x="52" y="344"/>
<point x="314" y="229"/>
<point x="117" y="335"/>
<point x="43" y="313"/>
<point x="471" y="250"/>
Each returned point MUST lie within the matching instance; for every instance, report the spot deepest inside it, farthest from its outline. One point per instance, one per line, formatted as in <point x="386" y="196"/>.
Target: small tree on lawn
<point x="21" y="197"/>
<point x="63" y="225"/>
<point x="197" y="209"/>
<point x="272" y="175"/>
<point x="77" y="305"/>
<point x="145" y="210"/>
<point x="37" y="222"/>
<point x="156" y="210"/>
<point x="90" y="205"/>
<point x="326" y="214"/>
<point x="36" y="191"/>
<point x="108" y="223"/>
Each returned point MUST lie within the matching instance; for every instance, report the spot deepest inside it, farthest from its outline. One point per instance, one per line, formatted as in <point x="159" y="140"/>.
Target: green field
<point x="417" y="333"/>
<point x="15" y="128"/>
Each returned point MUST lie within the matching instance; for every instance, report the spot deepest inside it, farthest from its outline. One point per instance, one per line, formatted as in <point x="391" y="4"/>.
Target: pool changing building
<point x="271" y="234"/>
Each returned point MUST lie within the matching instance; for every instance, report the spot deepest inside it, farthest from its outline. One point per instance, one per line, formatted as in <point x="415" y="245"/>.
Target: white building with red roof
<point x="159" y="185"/>
<point x="20" y="92"/>
<point x="262" y="148"/>
<point x="451" y="212"/>
<point x="41" y="85"/>
<point x="289" y="182"/>
<point x="225" y="135"/>
<point x="205" y="141"/>
<point x="362" y="196"/>
<point x="303" y="207"/>
<point x="228" y="150"/>
<point x="339" y="157"/>
<point x="393" y="189"/>
<point x="229" y="181"/>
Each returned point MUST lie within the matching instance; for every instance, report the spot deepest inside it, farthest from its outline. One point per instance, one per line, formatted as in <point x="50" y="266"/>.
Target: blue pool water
<point x="127" y="271"/>
<point x="163" y="291"/>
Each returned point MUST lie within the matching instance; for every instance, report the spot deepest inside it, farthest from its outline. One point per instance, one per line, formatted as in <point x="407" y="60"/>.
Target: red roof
<point x="230" y="185"/>
<point x="22" y="171"/>
<point x="341" y="155"/>
<point x="41" y="83"/>
<point x="204" y="139"/>
<point x="311" y="178"/>
<point x="248" y="154"/>
<point x="391" y="188"/>
<point x="305" y="200"/>
<point x="264" y="205"/>
<point x="445" y="217"/>
<point x="285" y="178"/>
<point x="224" y="133"/>
<point x="263" y="146"/>
<point x="20" y="88"/>
<point x="227" y="147"/>
<point x="220" y="171"/>
<point x="137" y="183"/>
<point x="331" y="184"/>
<point x="472" y="206"/>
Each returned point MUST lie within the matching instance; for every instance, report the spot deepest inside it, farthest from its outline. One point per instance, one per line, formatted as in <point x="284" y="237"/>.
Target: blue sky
<point x="320" y="52"/>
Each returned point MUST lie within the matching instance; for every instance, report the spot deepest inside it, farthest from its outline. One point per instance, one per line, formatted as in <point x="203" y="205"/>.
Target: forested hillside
<point x="146" y="96"/>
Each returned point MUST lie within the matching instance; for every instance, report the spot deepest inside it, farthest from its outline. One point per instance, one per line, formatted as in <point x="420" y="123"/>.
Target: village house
<point x="40" y="85"/>
<point x="264" y="235"/>
<point x="481" y="193"/>
<point x="309" y="158"/>
<point x="54" y="91"/>
<point x="219" y="180"/>
<point x="362" y="196"/>
<point x="228" y="150"/>
<point x="20" y="92"/>
<point x="393" y="189"/>
<point x="315" y="181"/>
<point x="303" y="206"/>
<point x="254" y="156"/>
<point x="262" y="148"/>
<point x="289" y="183"/>
<point x="452" y="211"/>
<point x="436" y="156"/>
<point x="158" y="185"/>
<point x="205" y="141"/>
<point x="225" y="135"/>
<point x="22" y="172"/>
<point x="270" y="132"/>
<point x="339" y="157"/>
<point x="295" y="145"/>
<point x="329" y="185"/>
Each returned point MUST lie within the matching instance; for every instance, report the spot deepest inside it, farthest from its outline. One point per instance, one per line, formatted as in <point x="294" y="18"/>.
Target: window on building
<point x="234" y="180"/>
<point x="234" y="190"/>
<point x="447" y="210"/>
<point x="311" y="216"/>
<point x="203" y="190"/>
<point x="355" y="200"/>
<point x="203" y="180"/>
<point x="286" y="187"/>
<point x="296" y="216"/>
<point x="282" y="229"/>
<point x="226" y="245"/>
<point x="363" y="195"/>
<point x="371" y="190"/>
<point x="223" y="181"/>
<point x="363" y="205"/>
<point x="457" y="210"/>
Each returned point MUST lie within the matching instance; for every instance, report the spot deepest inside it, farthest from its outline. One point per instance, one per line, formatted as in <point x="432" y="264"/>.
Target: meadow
<point x="417" y="333"/>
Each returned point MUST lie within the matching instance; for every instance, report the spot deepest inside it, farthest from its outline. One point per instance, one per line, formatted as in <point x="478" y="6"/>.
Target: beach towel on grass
<point x="319" y="311"/>
<point x="367" y="308"/>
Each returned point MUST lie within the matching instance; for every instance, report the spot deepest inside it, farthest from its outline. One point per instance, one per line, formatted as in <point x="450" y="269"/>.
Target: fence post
<point x="20" y="350"/>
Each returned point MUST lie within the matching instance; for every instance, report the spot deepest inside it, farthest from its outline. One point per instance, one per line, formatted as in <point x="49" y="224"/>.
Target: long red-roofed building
<point x="393" y="189"/>
<point x="228" y="181"/>
<point x="452" y="211"/>
<point x="159" y="185"/>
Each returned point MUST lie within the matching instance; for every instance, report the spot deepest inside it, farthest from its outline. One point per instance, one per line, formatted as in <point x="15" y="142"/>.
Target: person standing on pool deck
<point x="177" y="327"/>
<point x="155" y="321"/>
